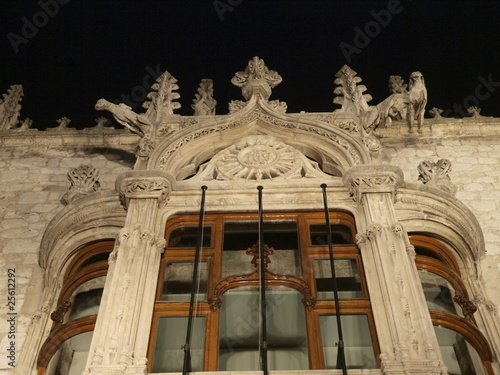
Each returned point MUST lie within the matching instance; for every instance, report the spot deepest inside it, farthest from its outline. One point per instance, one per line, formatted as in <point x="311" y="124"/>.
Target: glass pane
<point x="358" y="346"/>
<point x="178" y="281"/>
<point x="348" y="278"/>
<point x="458" y="355"/>
<point x="187" y="235"/>
<point x="71" y="357"/>
<point x="341" y="234"/>
<point x="240" y="236"/>
<point x="168" y="354"/>
<point x="438" y="292"/>
<point x="240" y="329"/>
<point x="86" y="303"/>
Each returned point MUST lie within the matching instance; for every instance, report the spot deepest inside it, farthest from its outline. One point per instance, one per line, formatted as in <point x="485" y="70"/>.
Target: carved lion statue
<point x="418" y="101"/>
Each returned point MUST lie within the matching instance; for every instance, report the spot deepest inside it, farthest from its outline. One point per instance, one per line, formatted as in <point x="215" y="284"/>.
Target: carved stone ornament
<point x="436" y="175"/>
<point x="144" y="185"/>
<point x="84" y="181"/>
<point x="373" y="179"/>
<point x="204" y="103"/>
<point x="10" y="107"/>
<point x="258" y="158"/>
<point x="256" y="79"/>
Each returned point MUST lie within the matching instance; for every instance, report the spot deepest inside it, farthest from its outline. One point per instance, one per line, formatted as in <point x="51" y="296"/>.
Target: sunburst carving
<point x="259" y="157"/>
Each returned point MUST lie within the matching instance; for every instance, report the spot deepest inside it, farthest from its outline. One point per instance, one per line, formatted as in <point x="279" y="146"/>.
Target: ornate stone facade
<point x="152" y="172"/>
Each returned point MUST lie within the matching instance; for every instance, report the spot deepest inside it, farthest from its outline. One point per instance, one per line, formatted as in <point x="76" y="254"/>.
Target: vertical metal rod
<point x="263" y="343"/>
<point x="340" y="352"/>
<point x="199" y="241"/>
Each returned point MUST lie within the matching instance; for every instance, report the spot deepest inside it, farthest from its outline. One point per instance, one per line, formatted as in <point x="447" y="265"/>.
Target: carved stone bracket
<point x="373" y="179"/>
<point x="144" y="185"/>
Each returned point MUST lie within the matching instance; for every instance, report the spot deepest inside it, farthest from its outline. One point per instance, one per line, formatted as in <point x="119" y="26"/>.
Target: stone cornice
<point x="373" y="179"/>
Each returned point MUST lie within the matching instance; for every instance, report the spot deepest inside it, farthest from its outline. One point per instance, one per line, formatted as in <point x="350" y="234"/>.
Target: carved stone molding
<point x="144" y="185"/>
<point x="372" y="179"/>
<point x="354" y="154"/>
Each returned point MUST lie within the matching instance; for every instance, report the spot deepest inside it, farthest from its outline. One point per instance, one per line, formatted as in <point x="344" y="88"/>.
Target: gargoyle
<point x="124" y="115"/>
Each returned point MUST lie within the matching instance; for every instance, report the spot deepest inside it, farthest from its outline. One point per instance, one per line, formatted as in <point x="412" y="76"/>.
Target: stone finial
<point x="25" y="125"/>
<point x="474" y="112"/>
<point x="63" y="123"/>
<point x="418" y="100"/>
<point x="204" y="103"/>
<point x="84" y="180"/>
<point x="257" y="79"/>
<point x="436" y="113"/>
<point x="436" y="175"/>
<point x="10" y="107"/>
<point x="101" y="122"/>
<point x="161" y="103"/>
<point x="351" y="96"/>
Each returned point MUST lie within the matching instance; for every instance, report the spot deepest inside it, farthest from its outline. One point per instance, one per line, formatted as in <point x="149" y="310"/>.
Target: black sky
<point x="86" y="50"/>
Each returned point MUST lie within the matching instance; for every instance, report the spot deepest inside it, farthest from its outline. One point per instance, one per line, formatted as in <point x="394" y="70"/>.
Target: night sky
<point x="70" y="53"/>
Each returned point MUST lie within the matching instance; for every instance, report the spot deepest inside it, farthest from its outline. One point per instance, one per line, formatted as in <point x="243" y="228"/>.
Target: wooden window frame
<point x="308" y="253"/>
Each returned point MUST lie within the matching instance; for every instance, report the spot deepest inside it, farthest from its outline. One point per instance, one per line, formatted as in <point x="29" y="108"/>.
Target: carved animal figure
<point x="418" y="101"/>
<point x="124" y="115"/>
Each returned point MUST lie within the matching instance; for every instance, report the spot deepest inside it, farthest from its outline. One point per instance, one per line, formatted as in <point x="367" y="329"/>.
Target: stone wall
<point x="473" y="147"/>
<point x="33" y="179"/>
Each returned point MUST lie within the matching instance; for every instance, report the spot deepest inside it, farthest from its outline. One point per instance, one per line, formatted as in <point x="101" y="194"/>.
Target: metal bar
<point x="263" y="343"/>
<point x="199" y="241"/>
<point x="340" y="352"/>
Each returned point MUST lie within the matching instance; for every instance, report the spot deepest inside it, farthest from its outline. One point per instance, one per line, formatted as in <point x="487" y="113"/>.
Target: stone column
<point x="122" y="329"/>
<point x="406" y="336"/>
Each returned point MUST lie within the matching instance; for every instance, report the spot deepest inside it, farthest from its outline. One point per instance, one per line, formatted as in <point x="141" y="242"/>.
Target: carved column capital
<point x="144" y="185"/>
<point x="373" y="179"/>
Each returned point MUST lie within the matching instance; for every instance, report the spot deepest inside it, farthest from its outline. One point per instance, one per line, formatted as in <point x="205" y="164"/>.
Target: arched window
<point x="302" y="333"/>
<point x="66" y="349"/>
<point x="463" y="348"/>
